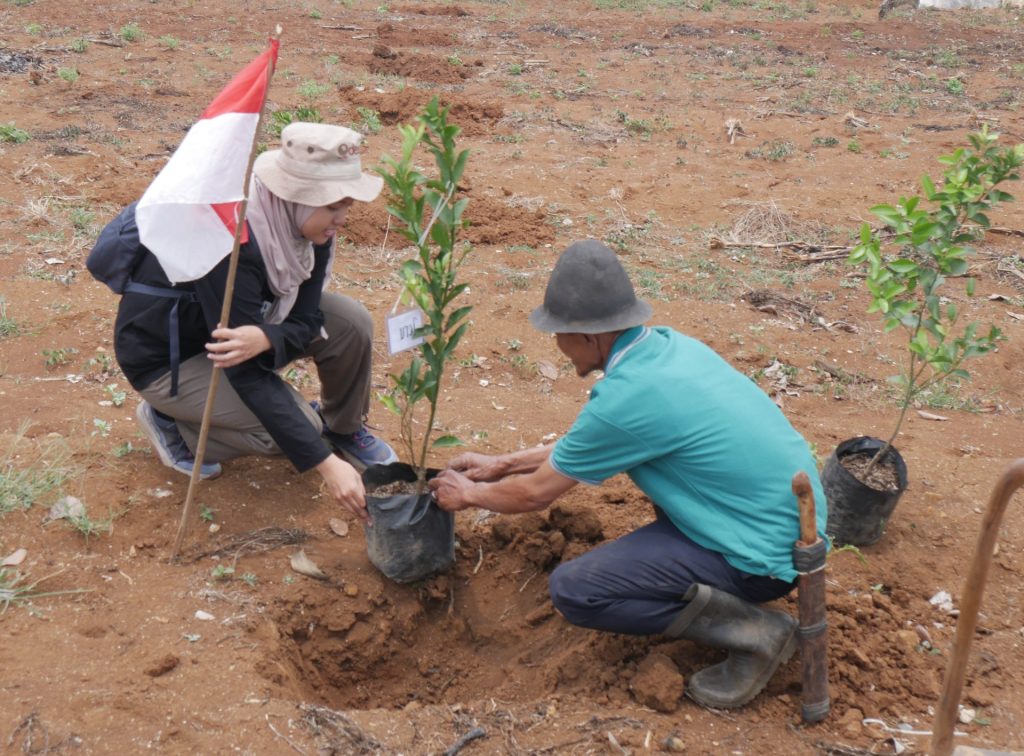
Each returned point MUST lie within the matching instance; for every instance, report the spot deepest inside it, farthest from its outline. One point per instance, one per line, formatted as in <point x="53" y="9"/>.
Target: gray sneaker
<point x="361" y="448"/>
<point x="163" y="434"/>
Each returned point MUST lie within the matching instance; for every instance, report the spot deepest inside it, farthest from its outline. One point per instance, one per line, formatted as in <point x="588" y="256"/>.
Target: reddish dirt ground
<point x="604" y="119"/>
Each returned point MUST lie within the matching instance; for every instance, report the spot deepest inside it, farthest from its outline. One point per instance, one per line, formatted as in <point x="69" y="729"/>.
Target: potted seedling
<point x="410" y="536"/>
<point x="907" y="267"/>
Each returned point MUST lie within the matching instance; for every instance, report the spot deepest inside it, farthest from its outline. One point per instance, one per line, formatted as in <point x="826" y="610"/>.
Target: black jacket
<point x="142" y="339"/>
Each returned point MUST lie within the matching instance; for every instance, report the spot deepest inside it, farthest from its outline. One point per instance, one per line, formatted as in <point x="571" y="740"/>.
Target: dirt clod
<point x="162" y="666"/>
<point x="657" y="683"/>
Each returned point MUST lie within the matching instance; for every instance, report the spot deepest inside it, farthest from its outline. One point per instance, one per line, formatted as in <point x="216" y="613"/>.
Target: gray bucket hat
<point x="589" y="292"/>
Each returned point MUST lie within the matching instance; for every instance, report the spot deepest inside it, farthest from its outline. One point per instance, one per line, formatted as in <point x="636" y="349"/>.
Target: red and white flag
<point x="187" y="215"/>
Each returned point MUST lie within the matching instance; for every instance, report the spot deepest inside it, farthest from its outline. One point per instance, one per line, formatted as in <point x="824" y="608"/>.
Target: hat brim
<point x="316" y="193"/>
<point x="544" y="320"/>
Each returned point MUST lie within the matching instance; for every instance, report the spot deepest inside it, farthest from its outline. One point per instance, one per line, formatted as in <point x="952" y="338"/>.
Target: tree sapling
<point x="908" y="264"/>
<point x="432" y="216"/>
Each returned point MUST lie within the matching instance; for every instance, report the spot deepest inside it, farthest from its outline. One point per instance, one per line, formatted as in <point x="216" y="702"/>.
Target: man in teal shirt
<point x="707" y="446"/>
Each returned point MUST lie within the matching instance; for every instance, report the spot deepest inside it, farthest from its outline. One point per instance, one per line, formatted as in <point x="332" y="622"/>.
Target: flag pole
<point x="225" y="312"/>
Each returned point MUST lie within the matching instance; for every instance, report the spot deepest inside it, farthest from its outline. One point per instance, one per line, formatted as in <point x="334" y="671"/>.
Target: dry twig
<point x="852" y="120"/>
<point x="338" y="730"/>
<point x="733" y="129"/>
<point x="469" y="737"/>
<point x="285" y="738"/>
<point x="264" y="539"/>
<point x="30" y="728"/>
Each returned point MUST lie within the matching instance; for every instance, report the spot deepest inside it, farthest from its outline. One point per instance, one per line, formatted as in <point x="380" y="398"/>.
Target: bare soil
<point x="586" y="119"/>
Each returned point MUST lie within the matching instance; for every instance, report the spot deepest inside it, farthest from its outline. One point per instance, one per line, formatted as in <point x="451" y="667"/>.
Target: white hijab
<point x="287" y="254"/>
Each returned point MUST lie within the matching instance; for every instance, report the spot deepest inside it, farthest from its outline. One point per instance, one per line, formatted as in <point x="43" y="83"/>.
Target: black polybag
<point x="411" y="537"/>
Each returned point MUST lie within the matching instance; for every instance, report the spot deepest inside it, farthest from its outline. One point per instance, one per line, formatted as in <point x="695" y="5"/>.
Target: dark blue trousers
<point x="635" y="584"/>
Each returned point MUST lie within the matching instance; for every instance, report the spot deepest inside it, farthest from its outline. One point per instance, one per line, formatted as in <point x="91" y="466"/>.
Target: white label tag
<point x="401" y="329"/>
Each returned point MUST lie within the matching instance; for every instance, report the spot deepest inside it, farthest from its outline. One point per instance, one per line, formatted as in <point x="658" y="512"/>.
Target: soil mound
<point x="474" y="117"/>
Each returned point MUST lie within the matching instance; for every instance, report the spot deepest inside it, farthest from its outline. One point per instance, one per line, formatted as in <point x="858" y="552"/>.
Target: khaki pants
<point x="343" y="362"/>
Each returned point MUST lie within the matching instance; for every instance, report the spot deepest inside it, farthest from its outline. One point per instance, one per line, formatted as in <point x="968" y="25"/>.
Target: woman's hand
<point x="345" y="486"/>
<point x="236" y="345"/>
<point x="480" y="467"/>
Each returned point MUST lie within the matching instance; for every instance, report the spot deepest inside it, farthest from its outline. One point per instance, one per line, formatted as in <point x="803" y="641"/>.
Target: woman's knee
<point x="345" y="315"/>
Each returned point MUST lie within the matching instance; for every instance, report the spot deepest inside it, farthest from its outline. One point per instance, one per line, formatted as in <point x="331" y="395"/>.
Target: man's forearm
<point x="525" y="460"/>
<point x="520" y="493"/>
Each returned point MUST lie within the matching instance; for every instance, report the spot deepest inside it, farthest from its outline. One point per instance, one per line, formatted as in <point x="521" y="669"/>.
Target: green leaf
<point x="928" y="186"/>
<point x="389" y="401"/>
<point x="956" y="267"/>
<point x="887" y="213"/>
<point x="447" y="441"/>
<point x="903" y="266"/>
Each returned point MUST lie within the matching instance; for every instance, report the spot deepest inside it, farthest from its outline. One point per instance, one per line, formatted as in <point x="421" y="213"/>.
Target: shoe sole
<point x="358" y="463"/>
<point x="143" y="413"/>
<point x="786" y="654"/>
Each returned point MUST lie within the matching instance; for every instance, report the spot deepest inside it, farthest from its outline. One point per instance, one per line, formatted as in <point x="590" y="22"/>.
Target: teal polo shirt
<point x="703" y="441"/>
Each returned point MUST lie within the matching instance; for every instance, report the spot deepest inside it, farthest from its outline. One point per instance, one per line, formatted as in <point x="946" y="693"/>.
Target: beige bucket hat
<point x="317" y="164"/>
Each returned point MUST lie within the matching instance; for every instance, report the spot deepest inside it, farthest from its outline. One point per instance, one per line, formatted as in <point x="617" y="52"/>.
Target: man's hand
<point x="236" y="345"/>
<point x="345" y="486"/>
<point x="451" y="490"/>
<point x="481" y="467"/>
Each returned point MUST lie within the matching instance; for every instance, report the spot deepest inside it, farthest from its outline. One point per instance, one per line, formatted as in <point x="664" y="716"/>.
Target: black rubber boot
<point x="758" y="641"/>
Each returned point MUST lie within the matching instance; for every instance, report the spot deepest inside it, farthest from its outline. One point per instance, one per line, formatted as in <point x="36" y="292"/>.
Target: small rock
<point x="967" y="715"/>
<point x="351" y="590"/>
<point x="907" y="640"/>
<point x="853" y="729"/>
<point x="942" y="601"/>
<point x="205" y="616"/>
<point x="413" y="706"/>
<point x="851" y="715"/>
<point x="338" y="527"/>
<point x="881" y="601"/>
<point x="214" y="527"/>
<point x="859" y="658"/>
<point x="547" y="369"/>
<point x="673" y="744"/>
<point x="851" y="723"/>
<point x="306" y="566"/>
<point x="15" y="558"/>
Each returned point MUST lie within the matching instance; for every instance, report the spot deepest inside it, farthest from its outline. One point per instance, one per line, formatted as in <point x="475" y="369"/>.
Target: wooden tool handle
<point x="805" y="500"/>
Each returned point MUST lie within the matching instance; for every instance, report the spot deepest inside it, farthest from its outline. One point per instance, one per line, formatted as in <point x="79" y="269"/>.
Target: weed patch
<point x="26" y="477"/>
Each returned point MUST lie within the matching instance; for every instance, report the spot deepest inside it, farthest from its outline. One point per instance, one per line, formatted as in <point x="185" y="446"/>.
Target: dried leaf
<point x="930" y="416"/>
<point x="546" y="369"/>
<point x="338" y="527"/>
<point x="68" y="507"/>
<point x="13" y="560"/>
<point x="303" y="565"/>
<point x="1014" y="315"/>
<point x="998" y="298"/>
